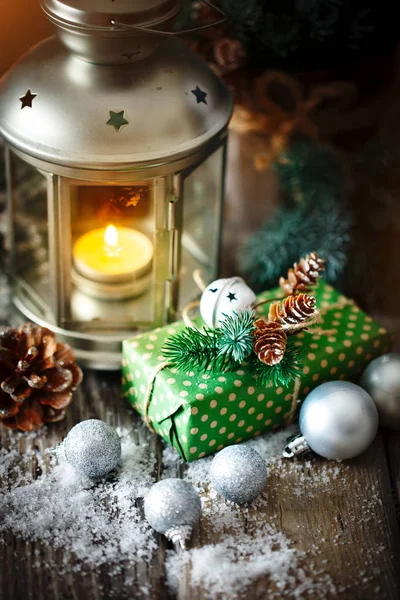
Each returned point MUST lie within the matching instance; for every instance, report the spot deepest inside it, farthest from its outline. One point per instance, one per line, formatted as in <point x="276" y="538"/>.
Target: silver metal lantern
<point x="115" y="149"/>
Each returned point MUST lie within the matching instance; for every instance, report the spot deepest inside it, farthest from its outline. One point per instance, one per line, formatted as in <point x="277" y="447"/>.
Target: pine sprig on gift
<point x="285" y="372"/>
<point x="193" y="350"/>
<point x="215" y="350"/>
<point x="235" y="342"/>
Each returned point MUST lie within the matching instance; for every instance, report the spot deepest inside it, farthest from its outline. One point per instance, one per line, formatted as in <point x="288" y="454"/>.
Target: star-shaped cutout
<point x="231" y="296"/>
<point x="27" y="99"/>
<point x="117" y="119"/>
<point x="200" y="95"/>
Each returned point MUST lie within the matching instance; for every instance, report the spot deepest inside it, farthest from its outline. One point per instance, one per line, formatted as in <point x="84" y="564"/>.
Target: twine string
<point x="262" y="302"/>
<point x="149" y="393"/>
<point x="186" y="314"/>
<point x="302" y="325"/>
<point x="295" y="398"/>
<point x="198" y="279"/>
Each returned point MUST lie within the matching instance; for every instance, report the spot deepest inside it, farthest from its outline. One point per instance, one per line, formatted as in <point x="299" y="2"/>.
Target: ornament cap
<point x="296" y="446"/>
<point x="179" y="535"/>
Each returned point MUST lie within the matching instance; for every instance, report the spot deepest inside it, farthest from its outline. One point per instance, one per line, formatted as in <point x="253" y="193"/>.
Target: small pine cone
<point x="37" y="377"/>
<point x="229" y="54"/>
<point x="303" y="275"/>
<point x="293" y="310"/>
<point x="269" y="342"/>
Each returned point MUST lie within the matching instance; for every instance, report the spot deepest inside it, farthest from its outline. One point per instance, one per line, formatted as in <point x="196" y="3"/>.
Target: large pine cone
<point x="303" y="275"/>
<point x="269" y="342"/>
<point x="37" y="377"/>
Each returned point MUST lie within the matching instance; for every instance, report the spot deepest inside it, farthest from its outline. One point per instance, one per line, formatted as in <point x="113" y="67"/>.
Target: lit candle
<point x="113" y="255"/>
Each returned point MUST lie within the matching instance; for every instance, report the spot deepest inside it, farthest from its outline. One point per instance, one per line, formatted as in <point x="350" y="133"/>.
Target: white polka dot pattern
<point x="201" y="412"/>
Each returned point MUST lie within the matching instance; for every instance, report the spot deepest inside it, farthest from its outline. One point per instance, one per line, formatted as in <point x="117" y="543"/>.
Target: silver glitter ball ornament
<point x="238" y="473"/>
<point x="173" y="507"/>
<point x="92" y="447"/>
<point x="381" y="379"/>
<point x="225" y="297"/>
<point x="338" y="420"/>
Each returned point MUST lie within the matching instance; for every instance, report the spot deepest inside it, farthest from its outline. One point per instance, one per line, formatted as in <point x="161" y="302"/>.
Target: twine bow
<point x="284" y="109"/>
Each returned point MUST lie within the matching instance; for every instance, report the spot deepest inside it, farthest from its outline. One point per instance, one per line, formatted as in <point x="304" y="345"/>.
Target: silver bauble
<point x="338" y="420"/>
<point x="173" y="507"/>
<point x="381" y="379"/>
<point x="225" y="297"/>
<point x="92" y="447"/>
<point x="238" y="473"/>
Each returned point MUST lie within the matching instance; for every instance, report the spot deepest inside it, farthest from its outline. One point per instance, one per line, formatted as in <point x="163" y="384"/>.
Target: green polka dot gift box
<point x="200" y="413"/>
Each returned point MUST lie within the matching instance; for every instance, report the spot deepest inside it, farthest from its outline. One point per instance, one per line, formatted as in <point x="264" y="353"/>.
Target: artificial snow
<point x="101" y="522"/>
<point x="247" y="547"/>
<point x="97" y="521"/>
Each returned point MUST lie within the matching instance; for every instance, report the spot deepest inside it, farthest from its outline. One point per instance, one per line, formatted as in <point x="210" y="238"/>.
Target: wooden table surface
<point x="347" y="525"/>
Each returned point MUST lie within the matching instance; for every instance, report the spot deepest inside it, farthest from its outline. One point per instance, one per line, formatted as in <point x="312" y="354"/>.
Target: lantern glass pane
<point x="30" y="234"/>
<point x="113" y="255"/>
<point x="203" y="192"/>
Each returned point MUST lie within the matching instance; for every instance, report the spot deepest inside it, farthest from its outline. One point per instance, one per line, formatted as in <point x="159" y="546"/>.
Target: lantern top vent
<point x="100" y="14"/>
<point x="101" y="31"/>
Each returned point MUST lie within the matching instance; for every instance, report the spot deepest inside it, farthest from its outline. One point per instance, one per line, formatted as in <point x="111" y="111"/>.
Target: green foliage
<point x="285" y="372"/>
<point x="235" y="341"/>
<point x="193" y="350"/>
<point x="316" y="219"/>
<point x="306" y="171"/>
<point x="216" y="350"/>
<point x="227" y="347"/>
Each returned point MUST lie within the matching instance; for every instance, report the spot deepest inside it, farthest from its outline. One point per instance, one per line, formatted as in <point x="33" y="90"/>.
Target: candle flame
<point x="111" y="240"/>
<point x="111" y="237"/>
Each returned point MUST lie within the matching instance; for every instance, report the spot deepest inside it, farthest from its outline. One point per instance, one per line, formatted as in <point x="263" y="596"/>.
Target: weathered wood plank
<point x="351" y="521"/>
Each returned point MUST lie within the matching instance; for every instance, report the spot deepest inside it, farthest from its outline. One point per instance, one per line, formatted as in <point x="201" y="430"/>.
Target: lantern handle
<point x="175" y="33"/>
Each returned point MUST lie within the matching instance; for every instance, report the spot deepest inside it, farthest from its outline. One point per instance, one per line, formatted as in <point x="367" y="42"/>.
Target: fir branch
<point x="193" y="350"/>
<point x="285" y="372"/>
<point x="215" y="350"/>
<point x="311" y="169"/>
<point x="318" y="221"/>
<point x="235" y="341"/>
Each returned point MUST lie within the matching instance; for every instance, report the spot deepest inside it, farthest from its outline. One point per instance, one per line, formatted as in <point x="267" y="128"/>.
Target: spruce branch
<point x="235" y="341"/>
<point x="192" y="349"/>
<point x="316" y="218"/>
<point x="215" y="350"/>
